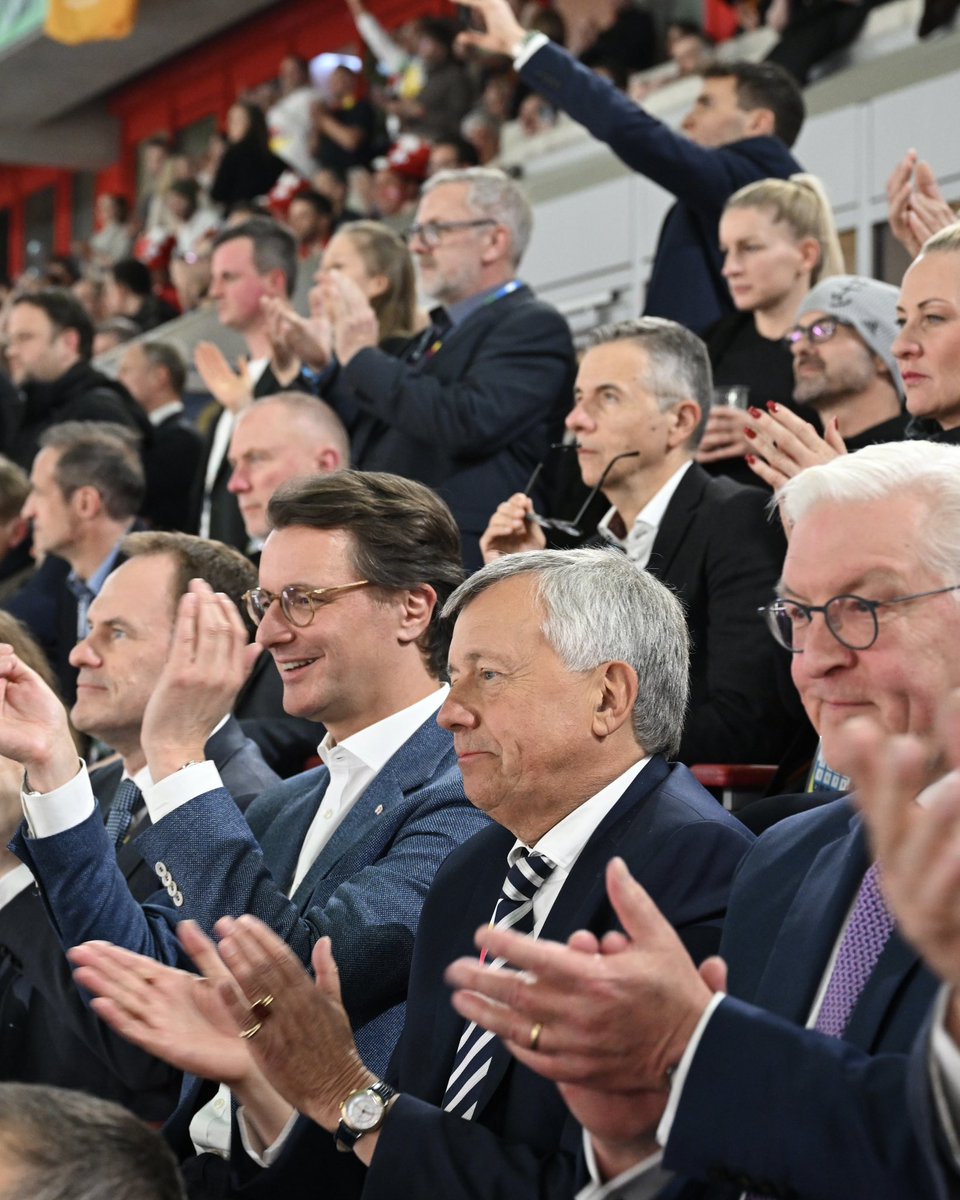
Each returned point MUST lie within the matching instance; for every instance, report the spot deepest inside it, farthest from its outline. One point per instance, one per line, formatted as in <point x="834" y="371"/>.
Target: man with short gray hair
<point x="60" y="1145"/>
<point x="641" y="399"/>
<point x="568" y="682"/>
<point x="474" y="401"/>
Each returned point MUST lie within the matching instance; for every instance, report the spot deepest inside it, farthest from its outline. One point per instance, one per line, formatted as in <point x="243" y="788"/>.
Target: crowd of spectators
<point x="495" y="587"/>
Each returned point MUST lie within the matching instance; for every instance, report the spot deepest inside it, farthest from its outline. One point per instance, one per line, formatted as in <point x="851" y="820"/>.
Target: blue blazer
<point x="47" y="1032"/>
<point x="768" y="1106"/>
<point x="685" y="282"/>
<point x="365" y="889"/>
<point x="472" y="420"/>
<point x="522" y="1142"/>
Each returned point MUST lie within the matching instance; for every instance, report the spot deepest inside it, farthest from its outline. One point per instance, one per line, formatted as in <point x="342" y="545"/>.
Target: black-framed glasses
<point x="431" y="232"/>
<point x="820" y="331"/>
<point x="851" y="619"/>
<point x="572" y="528"/>
<point x="298" y="604"/>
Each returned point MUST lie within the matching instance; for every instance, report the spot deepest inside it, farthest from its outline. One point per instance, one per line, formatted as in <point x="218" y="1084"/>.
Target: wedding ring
<point x="535" y="1031"/>
<point x="252" y="1031"/>
<point x="260" y="1006"/>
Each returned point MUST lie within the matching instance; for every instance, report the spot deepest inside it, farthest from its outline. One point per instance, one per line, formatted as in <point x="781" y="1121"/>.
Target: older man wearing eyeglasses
<point x="642" y="396"/>
<point x="352" y="580"/>
<point x="472" y="403"/>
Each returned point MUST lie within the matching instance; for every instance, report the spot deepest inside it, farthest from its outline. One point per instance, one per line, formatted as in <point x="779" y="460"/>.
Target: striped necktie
<point x="126" y="798"/>
<point x="474" y="1055"/>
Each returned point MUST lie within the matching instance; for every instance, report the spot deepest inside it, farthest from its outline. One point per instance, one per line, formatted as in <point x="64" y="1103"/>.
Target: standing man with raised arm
<point x="739" y="130"/>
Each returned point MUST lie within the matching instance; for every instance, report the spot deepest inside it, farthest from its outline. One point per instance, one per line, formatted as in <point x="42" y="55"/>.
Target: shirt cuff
<point x="945" y="1074"/>
<point x="527" y="48"/>
<point x="15" y="882"/>
<point x="180" y="788"/>
<point x="645" y="1178"/>
<point x="50" y="813"/>
<point x="264" y="1156"/>
<point x="679" y="1077"/>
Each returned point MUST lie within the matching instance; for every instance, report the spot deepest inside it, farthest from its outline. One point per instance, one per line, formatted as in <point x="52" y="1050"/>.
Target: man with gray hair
<point x="568" y="687"/>
<point x="792" y="1083"/>
<point x="60" y="1145"/>
<point x="473" y="403"/>
<point x="642" y="397"/>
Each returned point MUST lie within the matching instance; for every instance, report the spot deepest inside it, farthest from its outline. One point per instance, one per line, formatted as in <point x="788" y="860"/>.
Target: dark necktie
<point x="126" y="799"/>
<point x="474" y="1055"/>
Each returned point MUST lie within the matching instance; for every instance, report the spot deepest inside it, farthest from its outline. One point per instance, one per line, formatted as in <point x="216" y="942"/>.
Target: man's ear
<point x="616" y="695"/>
<point x="685" y="420"/>
<point x="87" y="502"/>
<point x="416" y="611"/>
<point x="761" y="122"/>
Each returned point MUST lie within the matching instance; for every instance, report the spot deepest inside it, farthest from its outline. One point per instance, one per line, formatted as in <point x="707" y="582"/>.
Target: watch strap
<point x="346" y="1137"/>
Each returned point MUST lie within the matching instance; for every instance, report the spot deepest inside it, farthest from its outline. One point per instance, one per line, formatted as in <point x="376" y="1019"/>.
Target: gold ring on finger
<point x="246" y="1034"/>
<point x="535" y="1030"/>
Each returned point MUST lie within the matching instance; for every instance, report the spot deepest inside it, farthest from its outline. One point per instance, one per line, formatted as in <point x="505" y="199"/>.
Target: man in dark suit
<point x="48" y="1035"/>
<point x="351" y="576"/>
<point x="155" y="375"/>
<point x="86" y="487"/>
<point x="251" y="262"/>
<point x="643" y="392"/>
<point x="757" y="1102"/>
<point x="739" y="130"/>
<point x="568" y="685"/>
<point x="474" y="404"/>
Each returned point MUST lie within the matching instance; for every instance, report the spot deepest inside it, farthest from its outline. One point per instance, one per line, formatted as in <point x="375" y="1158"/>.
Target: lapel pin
<point x="378" y="810"/>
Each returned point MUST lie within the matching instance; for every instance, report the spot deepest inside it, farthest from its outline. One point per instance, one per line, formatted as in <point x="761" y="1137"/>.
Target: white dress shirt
<point x="637" y="543"/>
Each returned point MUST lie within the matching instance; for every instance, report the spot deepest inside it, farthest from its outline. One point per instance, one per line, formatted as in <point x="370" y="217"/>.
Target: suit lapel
<point x="676" y="520"/>
<point x="410" y="768"/>
<point x="792" y="975"/>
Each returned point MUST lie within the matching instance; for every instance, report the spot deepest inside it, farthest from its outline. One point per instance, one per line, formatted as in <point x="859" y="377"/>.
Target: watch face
<point x="363" y="1110"/>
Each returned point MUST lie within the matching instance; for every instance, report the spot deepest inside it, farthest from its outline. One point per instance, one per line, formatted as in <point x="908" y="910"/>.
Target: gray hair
<point x="929" y="470"/>
<point x="600" y="608"/>
<point x="678" y="365"/>
<point x="491" y="193"/>
<point x="64" y="1145"/>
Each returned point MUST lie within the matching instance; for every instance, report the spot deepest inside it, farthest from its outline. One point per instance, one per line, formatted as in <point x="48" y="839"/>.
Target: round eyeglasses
<point x="851" y="619"/>
<point x="298" y="604"/>
<point x="820" y="331"/>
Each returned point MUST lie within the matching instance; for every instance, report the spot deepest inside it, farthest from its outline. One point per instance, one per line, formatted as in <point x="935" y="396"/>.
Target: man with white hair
<point x="474" y="402"/>
<point x="792" y="1083"/>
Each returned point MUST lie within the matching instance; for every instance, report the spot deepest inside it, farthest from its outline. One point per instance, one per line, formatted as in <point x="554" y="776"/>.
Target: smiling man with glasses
<point x="352" y="580"/>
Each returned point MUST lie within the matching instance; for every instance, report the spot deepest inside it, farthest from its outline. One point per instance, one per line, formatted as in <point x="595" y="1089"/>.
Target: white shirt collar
<point x="652" y="512"/>
<point x="377" y="744"/>
<point x="159" y="415"/>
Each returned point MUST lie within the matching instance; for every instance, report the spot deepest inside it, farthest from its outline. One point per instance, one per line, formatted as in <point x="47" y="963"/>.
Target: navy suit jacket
<point x="364" y="890"/>
<point x="685" y="283"/>
<point x="48" y="1034"/>
<point x="472" y="420"/>
<point x="925" y="1116"/>
<point x="522" y="1142"/>
<point x="768" y="1106"/>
